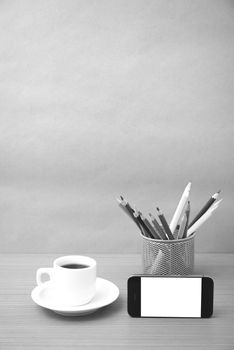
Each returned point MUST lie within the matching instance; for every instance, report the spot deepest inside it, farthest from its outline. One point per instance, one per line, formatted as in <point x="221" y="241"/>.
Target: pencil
<point x="176" y="232"/>
<point x="159" y="263"/>
<point x="187" y="213"/>
<point x="123" y="207"/>
<point x="215" y="205"/>
<point x="132" y="217"/>
<point x="128" y="209"/>
<point x="151" y="229"/>
<point x="203" y="219"/>
<point x="180" y="208"/>
<point x="158" y="228"/>
<point x="137" y="215"/>
<point x="198" y="223"/>
<point x="127" y="205"/>
<point x="182" y="226"/>
<point x="205" y="207"/>
<point x="165" y="224"/>
<point x="131" y="213"/>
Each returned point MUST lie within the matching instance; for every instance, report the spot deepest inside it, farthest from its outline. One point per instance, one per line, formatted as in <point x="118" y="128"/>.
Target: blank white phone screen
<point x="171" y="297"/>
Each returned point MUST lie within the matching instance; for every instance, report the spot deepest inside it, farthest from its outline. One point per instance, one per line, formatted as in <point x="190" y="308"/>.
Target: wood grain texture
<point x="24" y="325"/>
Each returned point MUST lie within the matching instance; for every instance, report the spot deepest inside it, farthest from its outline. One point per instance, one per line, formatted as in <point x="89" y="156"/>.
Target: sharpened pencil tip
<point x="218" y="191"/>
<point x="122" y="198"/>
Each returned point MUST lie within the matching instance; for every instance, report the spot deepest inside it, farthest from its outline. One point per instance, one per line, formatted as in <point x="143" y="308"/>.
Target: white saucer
<point x="106" y="293"/>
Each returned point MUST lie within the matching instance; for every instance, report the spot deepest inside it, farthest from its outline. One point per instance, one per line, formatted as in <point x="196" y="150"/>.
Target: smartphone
<point x="170" y="296"/>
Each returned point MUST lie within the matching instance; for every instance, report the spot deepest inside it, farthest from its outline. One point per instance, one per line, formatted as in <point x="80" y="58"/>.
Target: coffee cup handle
<point x="43" y="271"/>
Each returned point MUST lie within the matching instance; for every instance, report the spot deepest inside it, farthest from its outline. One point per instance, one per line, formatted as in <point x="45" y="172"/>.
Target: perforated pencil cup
<point x="164" y="257"/>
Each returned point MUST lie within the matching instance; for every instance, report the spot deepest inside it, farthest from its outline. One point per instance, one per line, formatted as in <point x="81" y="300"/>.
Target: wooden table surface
<point x="24" y="325"/>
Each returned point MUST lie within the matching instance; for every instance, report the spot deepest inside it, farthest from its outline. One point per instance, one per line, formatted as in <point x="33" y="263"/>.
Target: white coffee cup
<point x="72" y="279"/>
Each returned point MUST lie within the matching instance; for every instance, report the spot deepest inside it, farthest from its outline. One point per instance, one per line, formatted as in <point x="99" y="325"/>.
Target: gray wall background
<point x="101" y="98"/>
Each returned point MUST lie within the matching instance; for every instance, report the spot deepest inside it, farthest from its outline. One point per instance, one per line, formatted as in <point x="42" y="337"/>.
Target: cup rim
<point x="77" y="259"/>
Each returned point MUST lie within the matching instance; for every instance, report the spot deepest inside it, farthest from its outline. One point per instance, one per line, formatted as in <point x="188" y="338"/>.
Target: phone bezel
<point x="207" y="297"/>
<point x="134" y="295"/>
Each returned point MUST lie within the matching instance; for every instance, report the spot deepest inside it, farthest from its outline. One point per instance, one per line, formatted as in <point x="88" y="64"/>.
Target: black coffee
<point x="75" y="266"/>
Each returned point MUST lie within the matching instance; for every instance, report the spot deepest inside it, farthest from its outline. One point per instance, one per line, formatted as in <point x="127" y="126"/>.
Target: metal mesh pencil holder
<point x="174" y="257"/>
